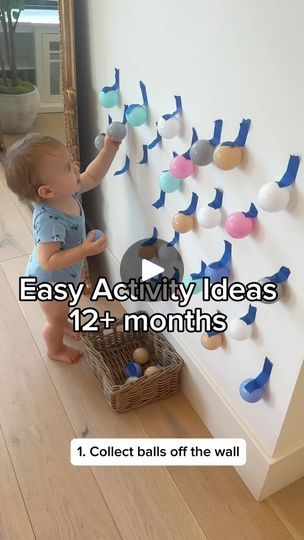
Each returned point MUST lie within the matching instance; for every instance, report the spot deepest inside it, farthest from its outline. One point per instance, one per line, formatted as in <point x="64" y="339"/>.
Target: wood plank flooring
<point x="43" y="405"/>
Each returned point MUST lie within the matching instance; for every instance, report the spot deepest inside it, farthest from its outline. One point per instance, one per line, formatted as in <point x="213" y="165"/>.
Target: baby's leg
<point x="56" y="315"/>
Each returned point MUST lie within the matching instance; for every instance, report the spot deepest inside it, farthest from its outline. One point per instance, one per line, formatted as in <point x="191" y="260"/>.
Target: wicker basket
<point x="108" y="352"/>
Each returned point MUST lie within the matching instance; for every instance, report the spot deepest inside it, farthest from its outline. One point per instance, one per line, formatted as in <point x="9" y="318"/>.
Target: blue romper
<point x="51" y="225"/>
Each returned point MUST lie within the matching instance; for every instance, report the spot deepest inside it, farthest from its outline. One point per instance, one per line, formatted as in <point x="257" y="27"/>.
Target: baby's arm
<point x="99" y="167"/>
<point x="51" y="257"/>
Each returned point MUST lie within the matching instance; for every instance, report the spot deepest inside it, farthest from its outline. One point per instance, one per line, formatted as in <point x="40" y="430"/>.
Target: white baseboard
<point x="262" y="474"/>
<point x="50" y="107"/>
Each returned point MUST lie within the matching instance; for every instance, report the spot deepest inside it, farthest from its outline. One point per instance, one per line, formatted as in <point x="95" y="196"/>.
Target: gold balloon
<point x="213" y="342"/>
<point x="150" y="371"/>
<point x="227" y="157"/>
<point x="141" y="355"/>
<point x="147" y="252"/>
<point x="182" y="223"/>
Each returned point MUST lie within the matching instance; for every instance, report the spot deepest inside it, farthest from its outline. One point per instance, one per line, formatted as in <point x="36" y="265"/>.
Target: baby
<point x="39" y="170"/>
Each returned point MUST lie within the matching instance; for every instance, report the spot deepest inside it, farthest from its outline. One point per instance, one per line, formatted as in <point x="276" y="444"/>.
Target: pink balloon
<point x="181" y="167"/>
<point x="238" y="225"/>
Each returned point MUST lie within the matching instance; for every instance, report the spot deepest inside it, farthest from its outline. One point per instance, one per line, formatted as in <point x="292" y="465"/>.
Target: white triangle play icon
<point x="149" y="270"/>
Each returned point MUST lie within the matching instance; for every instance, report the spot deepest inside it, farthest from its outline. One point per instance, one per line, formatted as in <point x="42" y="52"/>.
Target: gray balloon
<point x="99" y="141"/>
<point x="201" y="152"/>
<point x="117" y="130"/>
<point x="280" y="290"/>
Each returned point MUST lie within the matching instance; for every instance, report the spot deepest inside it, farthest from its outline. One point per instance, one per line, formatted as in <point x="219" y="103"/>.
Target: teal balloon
<point x="198" y="283"/>
<point x="136" y="115"/>
<point x="108" y="99"/>
<point x="168" y="183"/>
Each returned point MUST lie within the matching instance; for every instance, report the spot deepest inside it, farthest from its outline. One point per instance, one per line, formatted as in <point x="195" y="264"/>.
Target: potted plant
<point x="19" y="100"/>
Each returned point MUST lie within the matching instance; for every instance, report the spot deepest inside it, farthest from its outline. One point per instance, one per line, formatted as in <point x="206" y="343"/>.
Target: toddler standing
<point x="39" y="170"/>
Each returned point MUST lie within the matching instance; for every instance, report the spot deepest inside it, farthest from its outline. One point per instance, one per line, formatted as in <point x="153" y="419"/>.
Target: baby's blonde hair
<point x="22" y="162"/>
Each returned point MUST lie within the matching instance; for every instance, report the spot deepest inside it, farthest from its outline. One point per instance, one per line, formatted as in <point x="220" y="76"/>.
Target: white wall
<point x="228" y="59"/>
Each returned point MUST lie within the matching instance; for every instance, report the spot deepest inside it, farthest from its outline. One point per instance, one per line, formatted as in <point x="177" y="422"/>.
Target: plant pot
<point x="18" y="112"/>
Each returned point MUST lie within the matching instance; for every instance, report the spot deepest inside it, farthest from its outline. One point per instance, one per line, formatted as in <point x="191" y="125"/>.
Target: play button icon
<point x="150" y="270"/>
<point x="152" y="263"/>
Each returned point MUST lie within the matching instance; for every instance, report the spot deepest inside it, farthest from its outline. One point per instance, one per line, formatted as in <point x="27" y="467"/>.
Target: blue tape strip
<point x="143" y="93"/>
<point x="262" y="378"/>
<point x="115" y="86"/>
<point x="145" y="155"/>
<point x="194" y="139"/>
<point x="218" y="199"/>
<point x="216" y="139"/>
<point x="225" y="260"/>
<point x="178" y="103"/>
<point x="155" y="141"/>
<point x="242" y="135"/>
<point x="174" y="240"/>
<point x="252" y="212"/>
<point x="176" y="275"/>
<point x="249" y="318"/>
<point x="151" y="240"/>
<point x="192" y="206"/>
<point x="174" y="154"/>
<point x="290" y="174"/>
<point x="109" y="120"/>
<point x="125" y="167"/>
<point x="201" y="274"/>
<point x="161" y="201"/>
<point x="213" y="333"/>
<point x="280" y="276"/>
<point x="124" y="118"/>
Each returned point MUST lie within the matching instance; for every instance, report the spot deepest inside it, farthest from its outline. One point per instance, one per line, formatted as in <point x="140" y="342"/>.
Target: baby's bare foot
<point x="66" y="354"/>
<point x="68" y="329"/>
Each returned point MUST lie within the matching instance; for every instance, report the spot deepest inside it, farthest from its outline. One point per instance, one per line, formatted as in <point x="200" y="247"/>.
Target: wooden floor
<point x="43" y="405"/>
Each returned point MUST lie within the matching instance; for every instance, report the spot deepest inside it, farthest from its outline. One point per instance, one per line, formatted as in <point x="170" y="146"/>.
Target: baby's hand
<point x="110" y="145"/>
<point x="94" y="247"/>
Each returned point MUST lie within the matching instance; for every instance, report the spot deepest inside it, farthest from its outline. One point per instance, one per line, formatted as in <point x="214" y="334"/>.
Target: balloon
<point x="198" y="283"/>
<point x="181" y="167"/>
<point x="280" y="290"/>
<point x="212" y="342"/>
<point x="201" y="152"/>
<point x="117" y="130"/>
<point x="251" y="397"/>
<point x="239" y="330"/>
<point x="99" y="141"/>
<point x="140" y="355"/>
<point x="238" y="225"/>
<point x="227" y="157"/>
<point x="272" y="198"/>
<point x="150" y="371"/>
<point x="182" y="223"/>
<point x="168" y="183"/>
<point x="209" y="217"/>
<point x="215" y="272"/>
<point x="108" y="99"/>
<point x="168" y="128"/>
<point x="136" y="115"/>
<point x="133" y="369"/>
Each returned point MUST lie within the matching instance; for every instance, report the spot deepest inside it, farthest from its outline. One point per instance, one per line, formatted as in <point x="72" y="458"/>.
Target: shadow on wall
<point x="88" y="127"/>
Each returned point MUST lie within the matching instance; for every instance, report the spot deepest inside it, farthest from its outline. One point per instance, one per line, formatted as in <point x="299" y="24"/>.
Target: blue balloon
<point x="251" y="397"/>
<point x="215" y="272"/>
<point x="133" y="369"/>
<point x="168" y="183"/>
<point x="98" y="234"/>
<point x="108" y="99"/>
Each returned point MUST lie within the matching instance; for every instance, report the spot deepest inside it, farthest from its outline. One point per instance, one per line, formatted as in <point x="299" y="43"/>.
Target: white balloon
<point x="239" y="330"/>
<point x="131" y="380"/>
<point x="209" y="217"/>
<point x="168" y="128"/>
<point x="272" y="198"/>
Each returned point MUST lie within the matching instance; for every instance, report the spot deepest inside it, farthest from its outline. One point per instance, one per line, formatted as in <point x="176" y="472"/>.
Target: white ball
<point x="209" y="217"/>
<point x="168" y="128"/>
<point x="239" y="330"/>
<point x="131" y="380"/>
<point x="272" y="198"/>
